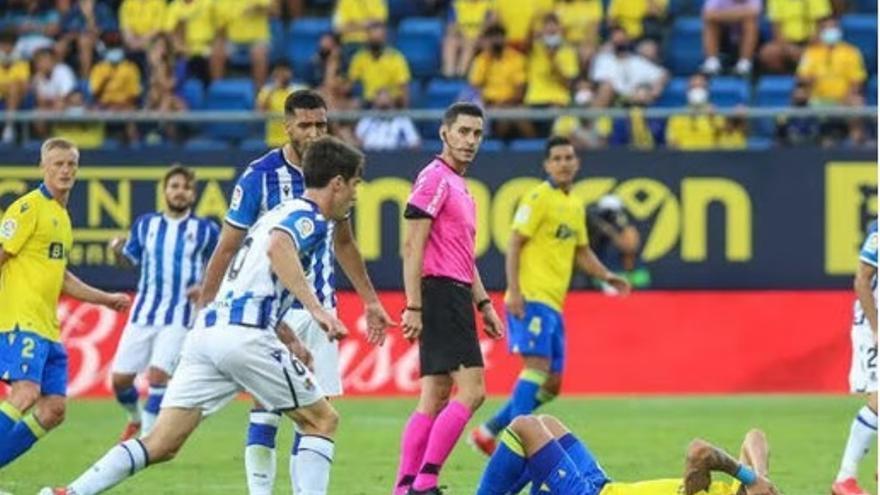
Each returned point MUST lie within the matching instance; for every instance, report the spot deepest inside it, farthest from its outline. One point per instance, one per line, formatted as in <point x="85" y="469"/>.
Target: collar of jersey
<point x="446" y="164"/>
<point x="45" y="191"/>
<point x="287" y="162"/>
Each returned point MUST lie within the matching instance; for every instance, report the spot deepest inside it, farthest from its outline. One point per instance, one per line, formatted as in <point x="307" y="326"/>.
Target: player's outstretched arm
<point x="863" y="287"/>
<point x="417" y="233"/>
<point x="281" y="251"/>
<point x="227" y="246"/>
<point x="588" y="262"/>
<point x="703" y="458"/>
<point x="352" y="263"/>
<point x="76" y="288"/>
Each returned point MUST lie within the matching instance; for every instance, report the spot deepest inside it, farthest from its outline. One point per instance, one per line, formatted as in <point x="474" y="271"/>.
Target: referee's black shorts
<point x="449" y="330"/>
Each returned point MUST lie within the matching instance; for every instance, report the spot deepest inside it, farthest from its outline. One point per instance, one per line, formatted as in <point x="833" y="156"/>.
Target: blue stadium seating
<point x="871" y="91"/>
<point x="302" y="41"/>
<point x="193" y="93"/>
<point x="256" y="145"/>
<point x="684" y="7"/>
<point x="399" y="9"/>
<point x="205" y="144"/>
<point x="728" y="91"/>
<point x="419" y="39"/>
<point x="774" y="91"/>
<point x="861" y="30"/>
<point x="230" y="94"/>
<point x="866" y="6"/>
<point x="432" y="145"/>
<point x="440" y="93"/>
<point x="675" y="93"/>
<point x="416" y="94"/>
<point x="684" y="49"/>
<point x="759" y="143"/>
<point x="527" y="145"/>
<point x="278" y="37"/>
<point x="492" y="146"/>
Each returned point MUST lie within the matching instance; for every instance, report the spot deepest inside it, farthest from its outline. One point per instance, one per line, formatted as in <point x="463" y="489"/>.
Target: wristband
<point x="746" y="475"/>
<point x="416" y="309"/>
<point x="483" y="303"/>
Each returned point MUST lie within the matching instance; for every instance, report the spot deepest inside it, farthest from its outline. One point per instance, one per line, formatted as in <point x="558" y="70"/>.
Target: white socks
<point x="312" y="458"/>
<point x="259" y="454"/>
<point x="861" y="436"/>
<point x="119" y="463"/>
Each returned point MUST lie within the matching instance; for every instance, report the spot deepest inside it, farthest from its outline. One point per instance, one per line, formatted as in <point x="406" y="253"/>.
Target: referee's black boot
<point x="430" y="491"/>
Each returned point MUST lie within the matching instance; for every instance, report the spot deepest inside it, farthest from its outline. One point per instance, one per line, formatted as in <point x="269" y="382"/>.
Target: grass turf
<point x="634" y="438"/>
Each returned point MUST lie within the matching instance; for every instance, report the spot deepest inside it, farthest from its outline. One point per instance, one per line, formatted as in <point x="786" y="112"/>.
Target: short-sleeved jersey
<point x="245" y="21"/>
<point x="251" y="294"/>
<point x="388" y="71"/>
<point x="630" y="14"/>
<point x="498" y="79"/>
<point x="36" y="231"/>
<point x="797" y="19"/>
<point x="358" y="12"/>
<point x="441" y="194"/>
<point x="200" y="24"/>
<point x="520" y="18"/>
<point x="867" y="255"/>
<point x="171" y="254"/>
<point x="666" y="487"/>
<point x="117" y="83"/>
<point x="544" y="86"/>
<point x="471" y="15"/>
<point x="575" y="16"/>
<point x="555" y="224"/>
<point x="142" y="17"/>
<point x="833" y="70"/>
<point x="693" y="131"/>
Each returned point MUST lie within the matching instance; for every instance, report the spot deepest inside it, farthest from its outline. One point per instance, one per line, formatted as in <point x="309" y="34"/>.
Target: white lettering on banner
<point x="84" y="328"/>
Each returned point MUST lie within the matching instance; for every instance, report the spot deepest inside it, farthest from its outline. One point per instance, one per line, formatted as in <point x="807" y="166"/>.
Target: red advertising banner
<point x="652" y="342"/>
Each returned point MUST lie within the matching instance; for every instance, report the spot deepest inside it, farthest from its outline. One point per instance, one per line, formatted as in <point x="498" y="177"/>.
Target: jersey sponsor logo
<point x="7" y="230"/>
<point x="56" y="251"/>
<point x="237" y="195"/>
<point x="305" y="227"/>
<point x="522" y="214"/>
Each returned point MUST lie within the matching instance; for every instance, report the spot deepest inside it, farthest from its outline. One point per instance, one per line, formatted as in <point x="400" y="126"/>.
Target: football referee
<point x="442" y="284"/>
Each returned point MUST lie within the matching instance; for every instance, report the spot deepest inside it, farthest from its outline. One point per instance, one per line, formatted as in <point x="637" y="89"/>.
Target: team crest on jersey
<point x="305" y="226"/>
<point x="237" y="195"/>
<point x="7" y="230"/>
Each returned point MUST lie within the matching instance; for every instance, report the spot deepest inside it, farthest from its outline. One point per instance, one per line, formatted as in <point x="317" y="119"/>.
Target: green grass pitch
<point x="634" y="438"/>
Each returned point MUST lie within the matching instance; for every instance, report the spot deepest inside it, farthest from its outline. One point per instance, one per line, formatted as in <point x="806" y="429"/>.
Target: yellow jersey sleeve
<point x="855" y="66"/>
<point x="529" y="214"/>
<point x="19" y="223"/>
<point x="401" y="69"/>
<point x="582" y="237"/>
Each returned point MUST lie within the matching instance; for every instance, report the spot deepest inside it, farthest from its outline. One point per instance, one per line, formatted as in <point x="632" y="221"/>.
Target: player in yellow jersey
<point x="540" y="450"/>
<point x="549" y="238"/>
<point x="35" y="242"/>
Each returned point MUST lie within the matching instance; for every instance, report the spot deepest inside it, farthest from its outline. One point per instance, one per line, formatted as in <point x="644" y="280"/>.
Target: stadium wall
<point x="781" y="219"/>
<point x="677" y="342"/>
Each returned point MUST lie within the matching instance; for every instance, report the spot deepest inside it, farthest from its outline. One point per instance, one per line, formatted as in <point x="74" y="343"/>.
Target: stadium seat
<point x="229" y="94"/>
<point x="861" y="30"/>
<point x="278" y="36"/>
<point x="871" y="91"/>
<point x="255" y="145"/>
<point x="684" y="7"/>
<point x="728" y="91"/>
<point x="401" y="9"/>
<point x="675" y="93"/>
<point x="302" y="41"/>
<point x="440" y="93"/>
<point x="492" y="146"/>
<point x="527" y="145"/>
<point x="205" y="144"/>
<point x="774" y="91"/>
<point x="416" y="94"/>
<point x="866" y="6"/>
<point x="111" y="144"/>
<point x="193" y="93"/>
<point x="684" y="49"/>
<point x="419" y="40"/>
<point x="759" y="143"/>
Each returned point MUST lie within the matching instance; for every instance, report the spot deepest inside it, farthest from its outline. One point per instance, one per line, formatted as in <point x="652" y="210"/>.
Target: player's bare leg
<point x="127" y="397"/>
<point x="312" y="455"/>
<point x="863" y="434"/>
<point x="157" y="379"/>
<point x="449" y="424"/>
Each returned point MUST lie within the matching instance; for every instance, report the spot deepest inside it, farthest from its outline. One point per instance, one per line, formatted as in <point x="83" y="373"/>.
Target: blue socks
<point x="524" y="400"/>
<point x="20" y="438"/>
<point x="9" y="416"/>
<point x="506" y="471"/>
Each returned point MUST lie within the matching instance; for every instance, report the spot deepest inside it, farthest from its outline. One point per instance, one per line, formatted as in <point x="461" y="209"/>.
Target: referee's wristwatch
<point x="483" y="303"/>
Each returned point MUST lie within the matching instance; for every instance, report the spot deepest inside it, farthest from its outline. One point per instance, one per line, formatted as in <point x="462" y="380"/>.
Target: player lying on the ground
<point x="542" y="451"/>
<point x="233" y="346"/>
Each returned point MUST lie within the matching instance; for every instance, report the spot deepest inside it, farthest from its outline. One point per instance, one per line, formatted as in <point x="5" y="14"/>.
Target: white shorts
<point x="141" y="345"/>
<point x="219" y="362"/>
<point x="863" y="372"/>
<point x="325" y="354"/>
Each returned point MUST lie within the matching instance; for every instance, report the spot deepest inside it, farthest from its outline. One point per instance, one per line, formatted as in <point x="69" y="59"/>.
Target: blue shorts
<point x="553" y="471"/>
<point x="541" y="332"/>
<point x="27" y="356"/>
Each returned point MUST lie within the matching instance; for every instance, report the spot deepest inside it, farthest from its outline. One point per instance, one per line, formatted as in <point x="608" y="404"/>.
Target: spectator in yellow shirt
<point x="635" y="16"/>
<point x="520" y="18"/>
<point x="794" y="24"/>
<point x="140" y="21"/>
<point x="243" y="26"/>
<point x="699" y="128"/>
<point x="115" y="84"/>
<point x="832" y="69"/>
<point x="379" y="66"/>
<point x="552" y="66"/>
<point x="498" y="73"/>
<point x="580" y="21"/>
<point x="271" y="100"/>
<point x="14" y="76"/>
<point x="193" y="27"/>
<point x="86" y="135"/>
<point x="352" y="18"/>
<point x="467" y="20"/>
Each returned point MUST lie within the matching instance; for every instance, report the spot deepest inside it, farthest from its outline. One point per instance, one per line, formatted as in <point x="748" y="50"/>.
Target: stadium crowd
<point x="188" y="55"/>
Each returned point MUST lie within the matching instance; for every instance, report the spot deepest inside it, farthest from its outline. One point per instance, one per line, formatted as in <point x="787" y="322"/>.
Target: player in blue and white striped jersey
<point x="268" y="181"/>
<point x="171" y="249"/>
<point x="863" y="371"/>
<point x="234" y="346"/>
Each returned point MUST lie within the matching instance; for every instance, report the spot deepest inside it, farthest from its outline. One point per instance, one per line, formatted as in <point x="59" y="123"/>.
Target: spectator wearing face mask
<point x="115" y="84"/>
<point x="378" y="66"/>
<point x="552" y="67"/>
<point x="699" y="128"/>
<point x="386" y="133"/>
<point x="498" y="74"/>
<point x="271" y="99"/>
<point x="794" y="23"/>
<point x="14" y="76"/>
<point x="618" y="72"/>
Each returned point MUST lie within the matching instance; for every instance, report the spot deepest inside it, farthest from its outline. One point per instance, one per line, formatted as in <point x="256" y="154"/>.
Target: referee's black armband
<point x="415" y="213"/>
